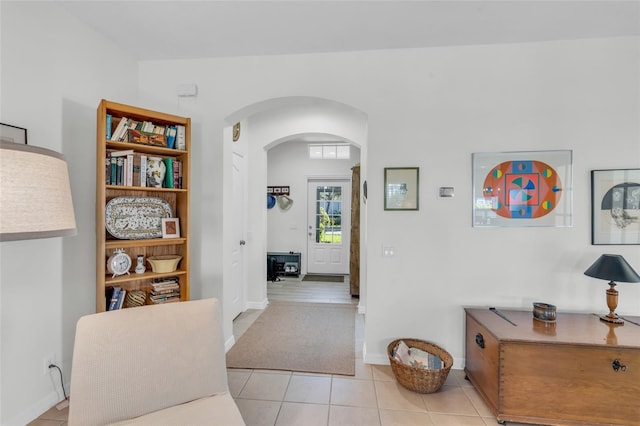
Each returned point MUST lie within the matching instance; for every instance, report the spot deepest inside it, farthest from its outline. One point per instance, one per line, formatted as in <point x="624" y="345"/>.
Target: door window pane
<point x="329" y="215"/>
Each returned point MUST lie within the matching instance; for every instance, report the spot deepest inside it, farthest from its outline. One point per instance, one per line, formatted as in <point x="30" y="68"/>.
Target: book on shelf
<point x="109" y="123"/>
<point x="129" y="174"/>
<point x="121" y="130"/>
<point x="168" y="176"/>
<point x="113" y="170"/>
<point x="121" y="297"/>
<point x="112" y="298"/>
<point x="120" y="153"/>
<point x="143" y="170"/>
<point x="177" y="171"/>
<point x="171" y="136"/>
<point x="181" y="137"/>
<point x="119" y="170"/>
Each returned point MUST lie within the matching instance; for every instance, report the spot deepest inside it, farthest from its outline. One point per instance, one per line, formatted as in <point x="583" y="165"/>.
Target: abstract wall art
<point x="615" y="206"/>
<point x="516" y="189"/>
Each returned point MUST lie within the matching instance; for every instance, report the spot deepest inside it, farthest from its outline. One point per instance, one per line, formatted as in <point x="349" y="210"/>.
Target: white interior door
<point x="328" y="226"/>
<point x="238" y="273"/>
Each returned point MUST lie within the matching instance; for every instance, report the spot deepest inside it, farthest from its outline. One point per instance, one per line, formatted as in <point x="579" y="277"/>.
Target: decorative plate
<point x="136" y="218"/>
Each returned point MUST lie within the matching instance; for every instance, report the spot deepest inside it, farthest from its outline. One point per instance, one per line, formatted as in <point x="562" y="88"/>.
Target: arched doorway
<point x="262" y="126"/>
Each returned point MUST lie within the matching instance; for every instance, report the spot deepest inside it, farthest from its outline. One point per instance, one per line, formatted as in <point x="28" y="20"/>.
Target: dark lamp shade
<point x="613" y="267"/>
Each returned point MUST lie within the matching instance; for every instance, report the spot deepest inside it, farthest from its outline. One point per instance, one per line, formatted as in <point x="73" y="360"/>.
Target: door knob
<point x="242" y="242"/>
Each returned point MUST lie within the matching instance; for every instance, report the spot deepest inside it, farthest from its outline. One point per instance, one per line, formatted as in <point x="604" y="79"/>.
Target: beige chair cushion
<point x="132" y="362"/>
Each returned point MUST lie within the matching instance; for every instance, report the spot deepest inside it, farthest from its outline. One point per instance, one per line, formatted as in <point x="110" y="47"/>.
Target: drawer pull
<point x="480" y="341"/>
<point x="617" y="365"/>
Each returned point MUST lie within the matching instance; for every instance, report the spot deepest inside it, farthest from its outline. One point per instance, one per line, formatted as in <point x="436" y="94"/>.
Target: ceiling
<point x="181" y="29"/>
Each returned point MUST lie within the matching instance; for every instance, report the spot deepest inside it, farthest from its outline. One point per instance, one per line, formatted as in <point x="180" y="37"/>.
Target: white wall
<point x="433" y="108"/>
<point x="426" y="107"/>
<point x="288" y="164"/>
<point x="54" y="73"/>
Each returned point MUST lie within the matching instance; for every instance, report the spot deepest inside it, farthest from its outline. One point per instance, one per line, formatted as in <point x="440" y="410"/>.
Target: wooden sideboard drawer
<point x="577" y="371"/>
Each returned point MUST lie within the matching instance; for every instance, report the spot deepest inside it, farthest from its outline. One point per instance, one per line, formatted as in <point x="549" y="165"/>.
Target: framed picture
<point x="401" y="188"/>
<point x="615" y="206"/>
<point x="519" y="189"/>
<point x="170" y="227"/>
<point x="13" y="133"/>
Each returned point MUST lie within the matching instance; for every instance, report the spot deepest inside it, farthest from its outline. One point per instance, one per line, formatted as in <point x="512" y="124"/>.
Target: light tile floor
<point x="371" y="397"/>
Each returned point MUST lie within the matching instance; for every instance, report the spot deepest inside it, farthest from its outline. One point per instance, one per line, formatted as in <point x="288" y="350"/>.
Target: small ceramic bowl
<point x="544" y="311"/>
<point x="164" y="263"/>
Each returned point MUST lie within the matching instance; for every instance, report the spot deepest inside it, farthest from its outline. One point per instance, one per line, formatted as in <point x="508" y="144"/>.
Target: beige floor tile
<point x="383" y="372"/>
<point x="45" y="422"/>
<point x="449" y="400"/>
<point x="296" y="414"/>
<point x="459" y="374"/>
<point x="481" y="407"/>
<point x="237" y="379"/>
<point x="363" y="371"/>
<point x="353" y="416"/>
<point x="353" y="392"/>
<point x="404" y="418"/>
<point x="270" y="387"/>
<point x="453" y="420"/>
<point x="259" y="413"/>
<point x="393" y="396"/>
<point x="310" y="389"/>
<point x="54" y="414"/>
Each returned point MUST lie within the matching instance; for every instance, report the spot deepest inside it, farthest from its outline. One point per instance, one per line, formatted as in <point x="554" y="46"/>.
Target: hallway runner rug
<point x="305" y="337"/>
<point x="324" y="278"/>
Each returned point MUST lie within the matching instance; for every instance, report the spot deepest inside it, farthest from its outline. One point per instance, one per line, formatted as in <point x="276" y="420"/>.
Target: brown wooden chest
<point x="578" y="370"/>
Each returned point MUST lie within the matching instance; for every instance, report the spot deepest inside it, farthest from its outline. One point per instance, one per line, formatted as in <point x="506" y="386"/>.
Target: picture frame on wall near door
<point x="401" y="188"/>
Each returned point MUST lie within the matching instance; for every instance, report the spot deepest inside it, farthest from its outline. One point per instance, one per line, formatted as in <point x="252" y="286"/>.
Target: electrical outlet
<point x="47" y="361"/>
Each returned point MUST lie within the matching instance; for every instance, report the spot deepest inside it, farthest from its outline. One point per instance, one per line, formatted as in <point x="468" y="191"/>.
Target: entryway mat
<point x="324" y="278"/>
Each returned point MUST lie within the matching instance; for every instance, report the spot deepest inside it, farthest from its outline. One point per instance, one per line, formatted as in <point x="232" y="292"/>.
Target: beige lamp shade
<point x="35" y="195"/>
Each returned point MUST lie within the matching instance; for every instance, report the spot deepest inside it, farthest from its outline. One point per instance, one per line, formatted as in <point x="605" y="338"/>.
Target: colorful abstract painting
<point x="522" y="188"/>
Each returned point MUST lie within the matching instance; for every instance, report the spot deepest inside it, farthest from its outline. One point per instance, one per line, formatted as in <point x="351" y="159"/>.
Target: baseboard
<point x="229" y="343"/>
<point x="35" y="410"/>
<point x="258" y="305"/>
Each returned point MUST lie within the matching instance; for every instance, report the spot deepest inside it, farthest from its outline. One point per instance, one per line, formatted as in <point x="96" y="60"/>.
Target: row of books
<point x="129" y="168"/>
<point x="115" y="298"/>
<point x="165" y="290"/>
<point x="173" y="135"/>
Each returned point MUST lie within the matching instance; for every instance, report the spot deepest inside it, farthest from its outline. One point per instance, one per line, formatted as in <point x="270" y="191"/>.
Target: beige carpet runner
<point x="306" y="337"/>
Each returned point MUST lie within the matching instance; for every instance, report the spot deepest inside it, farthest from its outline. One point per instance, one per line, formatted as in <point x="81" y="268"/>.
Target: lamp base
<point x="614" y="319"/>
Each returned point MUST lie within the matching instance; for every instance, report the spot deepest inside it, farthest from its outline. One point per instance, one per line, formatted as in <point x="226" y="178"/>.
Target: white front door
<point x="328" y="226"/>
<point x="238" y="273"/>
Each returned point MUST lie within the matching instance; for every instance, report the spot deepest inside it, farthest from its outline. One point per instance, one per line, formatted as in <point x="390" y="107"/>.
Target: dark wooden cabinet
<point x="578" y="370"/>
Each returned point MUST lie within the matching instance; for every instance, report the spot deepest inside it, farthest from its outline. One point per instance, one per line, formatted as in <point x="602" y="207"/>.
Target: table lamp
<point x="35" y="195"/>
<point x="612" y="267"/>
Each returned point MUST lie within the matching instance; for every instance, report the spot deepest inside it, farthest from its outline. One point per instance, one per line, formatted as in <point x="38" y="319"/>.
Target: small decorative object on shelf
<point x="156" y="170"/>
<point x="119" y="263"/>
<point x="140" y="268"/>
<point x="164" y="263"/>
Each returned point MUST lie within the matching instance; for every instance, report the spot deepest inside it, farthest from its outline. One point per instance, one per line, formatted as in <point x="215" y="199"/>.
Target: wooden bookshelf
<point x="178" y="198"/>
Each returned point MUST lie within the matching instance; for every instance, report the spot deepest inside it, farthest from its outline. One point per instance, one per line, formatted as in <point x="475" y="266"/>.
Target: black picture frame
<point x="11" y="133"/>
<point x="615" y="207"/>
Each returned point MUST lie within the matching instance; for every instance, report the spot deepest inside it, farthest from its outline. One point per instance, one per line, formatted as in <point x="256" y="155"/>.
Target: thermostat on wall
<point x="446" y="191"/>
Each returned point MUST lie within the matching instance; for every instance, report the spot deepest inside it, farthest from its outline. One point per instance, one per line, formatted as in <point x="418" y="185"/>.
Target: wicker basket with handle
<point x="416" y="379"/>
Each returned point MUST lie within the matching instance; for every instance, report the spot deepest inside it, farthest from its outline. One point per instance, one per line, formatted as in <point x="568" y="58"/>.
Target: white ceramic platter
<point x="136" y="218"/>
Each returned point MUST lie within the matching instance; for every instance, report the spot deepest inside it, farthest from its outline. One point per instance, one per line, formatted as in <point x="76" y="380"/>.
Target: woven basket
<point x="415" y="379"/>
